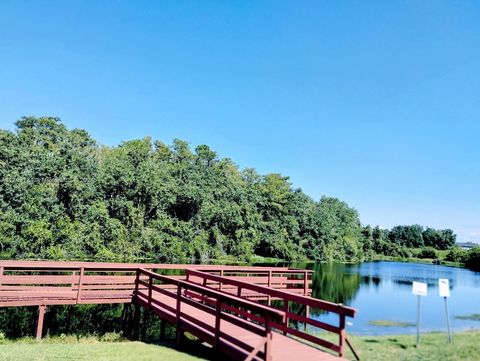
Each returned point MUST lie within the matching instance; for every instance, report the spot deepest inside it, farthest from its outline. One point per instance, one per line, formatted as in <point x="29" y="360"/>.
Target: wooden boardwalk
<point x="243" y="312"/>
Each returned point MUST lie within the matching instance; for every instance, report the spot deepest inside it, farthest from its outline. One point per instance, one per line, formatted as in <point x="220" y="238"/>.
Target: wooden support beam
<point x="144" y="324"/>
<point x="162" y="329"/>
<point x="80" y="278"/>
<point x="41" y="315"/>
<point x="136" y="322"/>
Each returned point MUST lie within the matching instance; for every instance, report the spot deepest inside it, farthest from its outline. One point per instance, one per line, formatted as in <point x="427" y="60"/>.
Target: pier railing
<point x="287" y="299"/>
<point x="248" y="315"/>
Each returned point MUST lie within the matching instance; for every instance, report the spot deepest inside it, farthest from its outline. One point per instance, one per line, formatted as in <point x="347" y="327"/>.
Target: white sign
<point x="419" y="288"/>
<point x="443" y="287"/>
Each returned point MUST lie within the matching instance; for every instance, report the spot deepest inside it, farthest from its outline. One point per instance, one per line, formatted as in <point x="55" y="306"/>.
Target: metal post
<point x="448" y="321"/>
<point x="418" y="320"/>
<point x="41" y="314"/>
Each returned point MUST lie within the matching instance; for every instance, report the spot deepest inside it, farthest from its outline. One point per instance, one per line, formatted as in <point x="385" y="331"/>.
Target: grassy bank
<point x="440" y="259"/>
<point x="433" y="347"/>
<point x="89" y="349"/>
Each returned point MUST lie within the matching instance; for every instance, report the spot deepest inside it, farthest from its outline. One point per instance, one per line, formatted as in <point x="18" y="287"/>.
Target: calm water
<point x="383" y="291"/>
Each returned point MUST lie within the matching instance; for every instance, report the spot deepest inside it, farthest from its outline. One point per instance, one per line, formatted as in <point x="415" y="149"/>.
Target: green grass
<point x="433" y="347"/>
<point x="465" y="346"/>
<point x="387" y="323"/>
<point x="472" y="317"/>
<point x="48" y="350"/>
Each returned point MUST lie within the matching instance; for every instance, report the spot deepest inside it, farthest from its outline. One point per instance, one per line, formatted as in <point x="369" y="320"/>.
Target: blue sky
<point x="374" y="102"/>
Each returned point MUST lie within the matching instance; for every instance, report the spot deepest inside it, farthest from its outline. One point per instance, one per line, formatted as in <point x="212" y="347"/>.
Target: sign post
<point x="444" y="291"/>
<point x="419" y="289"/>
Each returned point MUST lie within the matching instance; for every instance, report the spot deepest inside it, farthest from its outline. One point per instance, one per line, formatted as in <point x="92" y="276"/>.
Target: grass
<point x="72" y="349"/>
<point x="433" y="347"/>
<point x="465" y="346"/>
<point x="472" y="317"/>
<point x="387" y="323"/>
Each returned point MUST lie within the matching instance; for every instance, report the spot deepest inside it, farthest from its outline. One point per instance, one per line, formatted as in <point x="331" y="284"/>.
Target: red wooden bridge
<point x="247" y="313"/>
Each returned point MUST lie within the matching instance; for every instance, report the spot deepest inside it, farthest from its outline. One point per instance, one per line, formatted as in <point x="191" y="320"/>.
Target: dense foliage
<point x="64" y="196"/>
<point x="472" y="259"/>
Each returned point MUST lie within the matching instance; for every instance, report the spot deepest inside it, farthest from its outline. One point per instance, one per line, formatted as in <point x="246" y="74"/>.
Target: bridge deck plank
<point x="283" y="347"/>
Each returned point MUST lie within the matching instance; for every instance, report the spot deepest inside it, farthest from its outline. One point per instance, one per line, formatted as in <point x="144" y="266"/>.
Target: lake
<point x="382" y="291"/>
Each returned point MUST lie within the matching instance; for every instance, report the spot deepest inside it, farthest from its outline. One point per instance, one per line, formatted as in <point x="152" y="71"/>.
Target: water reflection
<point x="332" y="282"/>
<point x="382" y="291"/>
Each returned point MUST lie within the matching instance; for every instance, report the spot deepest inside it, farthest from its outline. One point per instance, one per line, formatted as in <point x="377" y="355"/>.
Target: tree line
<point x="65" y="196"/>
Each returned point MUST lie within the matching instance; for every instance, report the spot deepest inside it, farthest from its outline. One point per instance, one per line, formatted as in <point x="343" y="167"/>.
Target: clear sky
<point x="374" y="102"/>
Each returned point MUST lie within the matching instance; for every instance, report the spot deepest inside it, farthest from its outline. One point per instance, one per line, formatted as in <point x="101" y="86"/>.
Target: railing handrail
<point x="224" y="297"/>
<point x="312" y="302"/>
<point x="255" y="270"/>
<point x="10" y="265"/>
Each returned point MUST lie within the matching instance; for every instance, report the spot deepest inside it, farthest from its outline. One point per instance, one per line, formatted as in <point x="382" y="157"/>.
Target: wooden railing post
<point x="220" y="283"/>
<point x="341" y="338"/>
<point x="177" y="314"/>
<point x="305" y="283"/>
<point x="74" y="273"/>
<point x="269" y="298"/>
<point x="41" y="315"/>
<point x="80" y="278"/>
<point x="137" y="281"/>
<point x="218" y="316"/>
<point x="268" y="338"/>
<point x="286" y="310"/>
<point x="1" y="275"/>
<point x="150" y="284"/>
<point x="307" y="315"/>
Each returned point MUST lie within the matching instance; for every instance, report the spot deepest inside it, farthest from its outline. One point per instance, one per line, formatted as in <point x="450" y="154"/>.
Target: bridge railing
<point x="249" y="315"/>
<point x="26" y="283"/>
<point x="287" y="299"/>
<point x="287" y="279"/>
<point x="63" y="283"/>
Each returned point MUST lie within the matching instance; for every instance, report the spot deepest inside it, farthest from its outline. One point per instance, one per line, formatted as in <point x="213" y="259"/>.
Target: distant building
<point x="467" y="245"/>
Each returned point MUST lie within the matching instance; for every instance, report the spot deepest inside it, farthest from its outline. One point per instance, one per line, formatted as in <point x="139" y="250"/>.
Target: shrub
<point x="456" y="254"/>
<point x="473" y="259"/>
<point x="111" y="337"/>
<point x="427" y="252"/>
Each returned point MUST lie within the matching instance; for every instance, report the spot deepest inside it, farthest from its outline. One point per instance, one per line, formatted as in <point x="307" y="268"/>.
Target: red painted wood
<point x="215" y="303"/>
